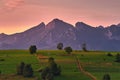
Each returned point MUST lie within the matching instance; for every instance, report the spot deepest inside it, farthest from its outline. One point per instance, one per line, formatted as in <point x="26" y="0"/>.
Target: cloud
<point x="12" y="4"/>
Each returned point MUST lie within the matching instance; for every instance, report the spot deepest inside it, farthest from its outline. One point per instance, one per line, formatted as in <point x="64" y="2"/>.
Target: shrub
<point x="51" y="59"/>
<point x="53" y="67"/>
<point x="28" y="71"/>
<point x="44" y="73"/>
<point x="106" y="77"/>
<point x="49" y="76"/>
<point x="109" y="54"/>
<point x="68" y="50"/>
<point x="51" y="70"/>
<point x="32" y="49"/>
<point x="84" y="48"/>
<point x="2" y="59"/>
<point x="117" y="58"/>
<point x="60" y="46"/>
<point x="20" y="68"/>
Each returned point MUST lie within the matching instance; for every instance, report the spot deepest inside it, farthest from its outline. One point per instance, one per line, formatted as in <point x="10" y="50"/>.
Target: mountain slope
<point x="48" y="36"/>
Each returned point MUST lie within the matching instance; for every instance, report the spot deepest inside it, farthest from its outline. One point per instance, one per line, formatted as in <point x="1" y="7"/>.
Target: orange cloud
<point x="12" y="4"/>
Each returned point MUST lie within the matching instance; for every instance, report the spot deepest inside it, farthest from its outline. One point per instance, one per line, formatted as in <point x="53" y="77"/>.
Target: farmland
<point x="97" y="63"/>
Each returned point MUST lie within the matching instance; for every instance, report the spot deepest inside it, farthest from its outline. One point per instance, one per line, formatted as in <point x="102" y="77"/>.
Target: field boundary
<point x="82" y="70"/>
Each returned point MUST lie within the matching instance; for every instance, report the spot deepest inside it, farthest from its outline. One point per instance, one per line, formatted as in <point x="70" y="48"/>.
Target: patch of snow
<point x="109" y="34"/>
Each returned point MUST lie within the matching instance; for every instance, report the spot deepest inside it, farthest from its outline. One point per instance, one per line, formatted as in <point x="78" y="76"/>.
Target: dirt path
<point x="82" y="70"/>
<point x="39" y="57"/>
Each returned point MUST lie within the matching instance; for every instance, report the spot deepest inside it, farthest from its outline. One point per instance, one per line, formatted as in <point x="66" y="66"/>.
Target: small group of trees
<point x="117" y="56"/>
<point x="51" y="70"/>
<point x="67" y="49"/>
<point x="25" y="70"/>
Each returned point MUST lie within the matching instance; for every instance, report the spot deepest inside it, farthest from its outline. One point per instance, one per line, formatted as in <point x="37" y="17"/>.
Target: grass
<point x="13" y="58"/>
<point x="98" y="63"/>
<point x="67" y="63"/>
<point x="95" y="62"/>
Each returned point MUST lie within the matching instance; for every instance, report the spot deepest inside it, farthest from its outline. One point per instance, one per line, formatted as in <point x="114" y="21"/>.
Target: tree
<point x="117" y="58"/>
<point x="49" y="76"/>
<point x="51" y="70"/>
<point x="84" y="47"/>
<point x="60" y="46"/>
<point x="54" y="68"/>
<point x="32" y="49"/>
<point x="109" y="54"/>
<point x="44" y="73"/>
<point x="20" y="68"/>
<point x="106" y="77"/>
<point x="28" y="71"/>
<point x="68" y="50"/>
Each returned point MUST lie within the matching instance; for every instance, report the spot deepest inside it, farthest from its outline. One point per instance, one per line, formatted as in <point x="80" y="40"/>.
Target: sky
<point x="20" y="15"/>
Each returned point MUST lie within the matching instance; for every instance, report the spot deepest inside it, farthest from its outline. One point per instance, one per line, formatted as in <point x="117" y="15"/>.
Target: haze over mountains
<point x="48" y="36"/>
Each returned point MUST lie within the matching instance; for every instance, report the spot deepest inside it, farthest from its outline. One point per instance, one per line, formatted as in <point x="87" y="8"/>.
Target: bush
<point x="44" y="73"/>
<point x="117" y="58"/>
<point x="60" y="46"/>
<point x="68" y="50"/>
<point x="49" y="76"/>
<point x="20" y="68"/>
<point x="32" y="49"/>
<point x="53" y="67"/>
<point x="51" y="70"/>
<point x="106" y="77"/>
<point x="109" y="54"/>
<point x="28" y="71"/>
<point x="84" y="48"/>
<point x="2" y="59"/>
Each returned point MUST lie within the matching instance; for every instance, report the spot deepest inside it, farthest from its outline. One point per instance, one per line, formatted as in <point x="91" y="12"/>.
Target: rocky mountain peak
<point x="48" y="36"/>
<point x="57" y="23"/>
<point x="36" y="28"/>
<point x="82" y="25"/>
<point x="41" y="24"/>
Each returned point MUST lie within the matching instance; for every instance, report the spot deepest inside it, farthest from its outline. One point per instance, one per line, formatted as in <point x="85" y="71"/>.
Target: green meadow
<point x="96" y="63"/>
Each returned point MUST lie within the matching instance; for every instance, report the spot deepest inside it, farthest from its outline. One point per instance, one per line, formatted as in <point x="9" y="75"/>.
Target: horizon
<point x="29" y="27"/>
<point x="51" y="21"/>
<point x="20" y="15"/>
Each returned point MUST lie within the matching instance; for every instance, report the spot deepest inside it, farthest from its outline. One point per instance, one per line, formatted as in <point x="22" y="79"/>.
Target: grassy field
<point x="13" y="57"/>
<point x="97" y="63"/>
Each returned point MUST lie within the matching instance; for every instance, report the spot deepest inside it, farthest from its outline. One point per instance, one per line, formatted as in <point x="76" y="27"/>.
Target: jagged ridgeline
<point x="49" y="35"/>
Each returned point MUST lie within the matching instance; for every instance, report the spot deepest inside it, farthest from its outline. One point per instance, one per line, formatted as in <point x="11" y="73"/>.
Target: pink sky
<point x="19" y="15"/>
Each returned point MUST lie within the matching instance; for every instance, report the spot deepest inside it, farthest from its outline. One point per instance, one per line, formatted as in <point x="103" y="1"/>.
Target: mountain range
<point x="49" y="35"/>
